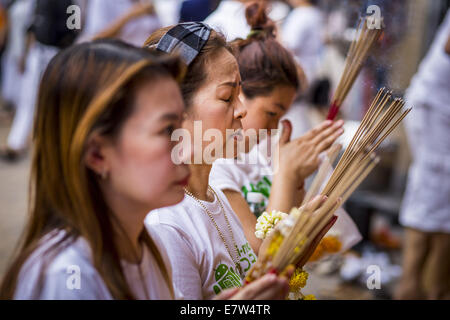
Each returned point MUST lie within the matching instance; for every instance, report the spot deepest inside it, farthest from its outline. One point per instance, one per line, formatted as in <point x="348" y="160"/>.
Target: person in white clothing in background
<point x="20" y="14"/>
<point x="129" y="20"/>
<point x="425" y="212"/>
<point x="229" y="17"/>
<point x="46" y="35"/>
<point x="303" y="34"/>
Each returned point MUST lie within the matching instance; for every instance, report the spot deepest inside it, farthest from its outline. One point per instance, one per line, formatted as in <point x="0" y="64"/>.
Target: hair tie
<point x="185" y="39"/>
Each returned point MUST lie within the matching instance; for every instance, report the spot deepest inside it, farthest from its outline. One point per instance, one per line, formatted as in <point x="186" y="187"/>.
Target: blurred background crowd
<point x="319" y="34"/>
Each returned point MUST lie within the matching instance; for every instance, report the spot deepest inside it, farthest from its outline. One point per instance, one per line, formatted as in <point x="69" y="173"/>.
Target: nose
<point x="182" y="151"/>
<point x="187" y="155"/>
<point x="188" y="152"/>
<point x="239" y="111"/>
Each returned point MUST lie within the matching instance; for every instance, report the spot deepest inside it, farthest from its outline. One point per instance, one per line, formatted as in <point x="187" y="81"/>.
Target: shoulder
<point x="61" y="272"/>
<point x="175" y="223"/>
<point x="179" y="233"/>
<point x="173" y="216"/>
<point x="226" y="174"/>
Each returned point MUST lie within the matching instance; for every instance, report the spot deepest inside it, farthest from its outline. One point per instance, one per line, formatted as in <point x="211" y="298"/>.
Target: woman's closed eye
<point x="271" y="113"/>
<point x="168" y="130"/>
<point x="226" y="94"/>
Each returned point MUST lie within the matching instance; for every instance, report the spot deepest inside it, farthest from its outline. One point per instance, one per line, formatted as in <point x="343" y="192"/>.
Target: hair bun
<point x="257" y="18"/>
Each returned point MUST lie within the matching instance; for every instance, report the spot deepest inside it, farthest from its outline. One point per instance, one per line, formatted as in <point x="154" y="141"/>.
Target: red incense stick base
<point x="332" y="113"/>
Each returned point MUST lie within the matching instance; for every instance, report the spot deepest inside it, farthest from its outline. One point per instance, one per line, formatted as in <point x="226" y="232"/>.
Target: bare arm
<point x="247" y="218"/>
<point x="298" y="159"/>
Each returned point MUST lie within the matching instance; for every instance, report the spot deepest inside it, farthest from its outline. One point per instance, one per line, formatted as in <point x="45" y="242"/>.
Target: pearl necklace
<point x="238" y="266"/>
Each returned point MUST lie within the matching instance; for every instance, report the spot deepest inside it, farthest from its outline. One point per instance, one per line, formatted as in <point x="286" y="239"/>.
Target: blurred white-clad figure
<point x="129" y="20"/>
<point x="19" y="16"/>
<point x="426" y="206"/>
<point x="46" y="33"/>
<point x="303" y="34"/>
<point x="168" y="11"/>
<point x="229" y="17"/>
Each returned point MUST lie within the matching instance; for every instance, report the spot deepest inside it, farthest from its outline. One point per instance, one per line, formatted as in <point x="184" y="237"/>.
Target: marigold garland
<point x="298" y="280"/>
<point x="266" y="223"/>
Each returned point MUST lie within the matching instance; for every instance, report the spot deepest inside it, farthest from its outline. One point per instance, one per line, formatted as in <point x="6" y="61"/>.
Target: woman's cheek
<point x="159" y="156"/>
<point x="254" y="121"/>
<point x="162" y="174"/>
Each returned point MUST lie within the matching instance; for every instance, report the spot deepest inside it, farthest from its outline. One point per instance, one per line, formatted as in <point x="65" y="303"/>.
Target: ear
<point x="95" y="158"/>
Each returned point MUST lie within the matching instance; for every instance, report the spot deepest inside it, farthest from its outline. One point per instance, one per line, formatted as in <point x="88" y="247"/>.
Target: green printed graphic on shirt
<point x="227" y="277"/>
<point x="246" y="257"/>
<point x="262" y="187"/>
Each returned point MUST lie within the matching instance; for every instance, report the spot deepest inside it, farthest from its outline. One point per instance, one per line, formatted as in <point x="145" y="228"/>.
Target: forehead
<point x="222" y="67"/>
<point x="159" y="96"/>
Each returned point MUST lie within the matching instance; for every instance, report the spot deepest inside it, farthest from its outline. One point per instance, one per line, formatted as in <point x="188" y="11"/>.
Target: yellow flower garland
<point x="298" y="280"/>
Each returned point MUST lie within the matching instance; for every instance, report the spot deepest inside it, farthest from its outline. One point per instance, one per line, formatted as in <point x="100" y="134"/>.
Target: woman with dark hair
<point x="102" y="159"/>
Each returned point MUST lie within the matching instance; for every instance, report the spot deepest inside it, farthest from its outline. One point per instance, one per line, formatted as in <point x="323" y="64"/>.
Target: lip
<point x="184" y="182"/>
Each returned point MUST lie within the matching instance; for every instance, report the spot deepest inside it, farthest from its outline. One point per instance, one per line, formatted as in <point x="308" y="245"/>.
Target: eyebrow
<point x="231" y="84"/>
<point x="170" y="116"/>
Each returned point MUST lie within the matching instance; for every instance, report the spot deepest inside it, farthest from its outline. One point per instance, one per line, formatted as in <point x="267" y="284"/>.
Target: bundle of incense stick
<point x="294" y="237"/>
<point x="359" y="51"/>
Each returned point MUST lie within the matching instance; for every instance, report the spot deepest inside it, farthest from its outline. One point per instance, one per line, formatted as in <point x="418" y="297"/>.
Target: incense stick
<point x="358" y="53"/>
<point x="292" y="238"/>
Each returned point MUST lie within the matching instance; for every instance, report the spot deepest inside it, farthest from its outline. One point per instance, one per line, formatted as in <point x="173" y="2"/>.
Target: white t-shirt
<point x="228" y="174"/>
<point x="60" y="278"/>
<point x="302" y="33"/>
<point x="201" y="264"/>
<point x="101" y="14"/>
<point x="252" y="173"/>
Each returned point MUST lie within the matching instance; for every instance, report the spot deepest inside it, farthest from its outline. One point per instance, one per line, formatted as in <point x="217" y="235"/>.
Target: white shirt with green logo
<point x="201" y="264"/>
